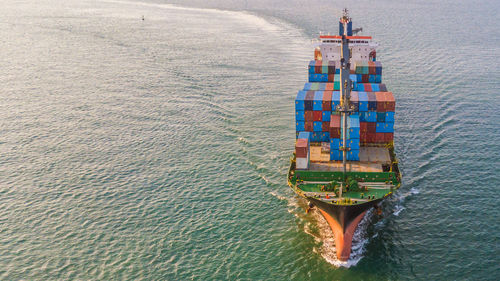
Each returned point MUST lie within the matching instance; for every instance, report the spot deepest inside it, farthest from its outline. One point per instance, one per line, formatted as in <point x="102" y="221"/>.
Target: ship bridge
<point x="362" y="48"/>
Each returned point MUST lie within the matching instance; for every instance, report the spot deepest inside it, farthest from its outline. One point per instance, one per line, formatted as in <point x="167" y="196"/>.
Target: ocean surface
<point x="157" y="149"/>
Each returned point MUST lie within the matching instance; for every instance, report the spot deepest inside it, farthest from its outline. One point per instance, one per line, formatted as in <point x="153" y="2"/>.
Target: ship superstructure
<point x="344" y="161"/>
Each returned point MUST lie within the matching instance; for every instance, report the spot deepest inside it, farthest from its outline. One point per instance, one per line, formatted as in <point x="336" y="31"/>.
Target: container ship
<point x="344" y="162"/>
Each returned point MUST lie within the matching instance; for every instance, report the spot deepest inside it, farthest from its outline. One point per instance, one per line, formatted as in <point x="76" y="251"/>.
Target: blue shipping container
<point x="389" y="127"/>
<point x="316" y="137"/>
<point x="300" y="126"/>
<point x="326" y="116"/>
<point x="325" y="136"/>
<point x="317" y="126"/>
<point x="353" y="133"/>
<point x="363" y="101"/>
<point x="299" y="115"/>
<point x="353" y="155"/>
<point x="299" y="100"/>
<point x="389" y="116"/>
<point x="318" y="100"/>
<point x="379" y="128"/>
<point x="353" y="121"/>
<point x="351" y="143"/>
<point x="335" y="99"/>
<point x="362" y="116"/>
<point x="335" y="155"/>
<point x="334" y="144"/>
<point x="307" y="86"/>
<point x="360" y="88"/>
<point x="304" y="135"/>
<point x="371" y="116"/>
<point x="375" y="88"/>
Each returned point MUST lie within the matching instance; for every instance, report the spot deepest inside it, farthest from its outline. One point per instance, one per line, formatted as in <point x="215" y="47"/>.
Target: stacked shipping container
<point x="371" y="123"/>
<point x="321" y="71"/>
<point x="302" y="151"/>
<point x="352" y="138"/>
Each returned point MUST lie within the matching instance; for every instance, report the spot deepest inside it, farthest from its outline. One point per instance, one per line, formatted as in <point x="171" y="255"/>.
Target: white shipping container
<point x="302" y="163"/>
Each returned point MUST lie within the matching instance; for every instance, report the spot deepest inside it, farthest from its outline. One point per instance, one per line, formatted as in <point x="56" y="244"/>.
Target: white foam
<point x="398" y="210"/>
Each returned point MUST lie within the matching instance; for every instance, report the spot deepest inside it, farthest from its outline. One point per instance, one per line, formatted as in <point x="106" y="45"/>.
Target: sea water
<point x="151" y="140"/>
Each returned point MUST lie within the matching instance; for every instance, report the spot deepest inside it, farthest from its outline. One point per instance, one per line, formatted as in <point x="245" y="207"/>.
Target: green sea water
<point x="157" y="149"/>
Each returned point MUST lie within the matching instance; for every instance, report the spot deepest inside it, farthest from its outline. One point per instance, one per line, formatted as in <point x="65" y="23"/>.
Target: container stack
<point x="335" y="153"/>
<point x="321" y="71"/>
<point x="352" y="138"/>
<point x="370" y="87"/>
<point x="313" y="110"/>
<point x="376" y="116"/>
<point x="336" y="81"/>
<point x="371" y="123"/>
<point x="302" y="151"/>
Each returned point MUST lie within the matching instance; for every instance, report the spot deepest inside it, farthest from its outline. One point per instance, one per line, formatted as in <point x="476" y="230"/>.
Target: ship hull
<point x="343" y="221"/>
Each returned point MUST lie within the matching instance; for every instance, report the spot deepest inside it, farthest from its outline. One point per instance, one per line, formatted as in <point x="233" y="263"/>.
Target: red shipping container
<point x="363" y="127"/>
<point x="363" y="137"/>
<point x="368" y="87"/>
<point x="379" y="137"/>
<point x="325" y="126"/>
<point x="317" y="66"/>
<point x="371" y="68"/>
<point x="301" y="148"/>
<point x="308" y="115"/>
<point x="371" y="137"/>
<point x="365" y="78"/>
<point x="388" y="137"/>
<point x="371" y="127"/>
<point x="335" y="121"/>
<point x="317" y="115"/>
<point x="309" y="126"/>
<point x="331" y="77"/>
<point x="390" y="101"/>
<point x="329" y="86"/>
<point x="335" y="133"/>
<point x="381" y="104"/>
<point x="335" y="126"/>
<point x="327" y="100"/>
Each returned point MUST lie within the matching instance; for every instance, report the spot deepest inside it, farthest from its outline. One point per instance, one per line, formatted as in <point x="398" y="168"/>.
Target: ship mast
<point x="345" y="90"/>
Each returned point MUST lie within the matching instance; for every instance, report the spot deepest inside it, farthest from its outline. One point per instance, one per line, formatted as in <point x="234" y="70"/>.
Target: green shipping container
<point x="324" y="69"/>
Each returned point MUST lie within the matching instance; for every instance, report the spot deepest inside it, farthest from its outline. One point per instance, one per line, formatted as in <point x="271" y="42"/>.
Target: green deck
<point x="378" y="193"/>
<point x="375" y="185"/>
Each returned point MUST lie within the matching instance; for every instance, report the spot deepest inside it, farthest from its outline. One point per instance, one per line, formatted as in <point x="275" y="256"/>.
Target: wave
<point x="252" y="19"/>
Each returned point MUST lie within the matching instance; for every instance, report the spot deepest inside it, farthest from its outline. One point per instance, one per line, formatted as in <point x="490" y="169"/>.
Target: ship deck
<point x="373" y="191"/>
<point x="371" y="159"/>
